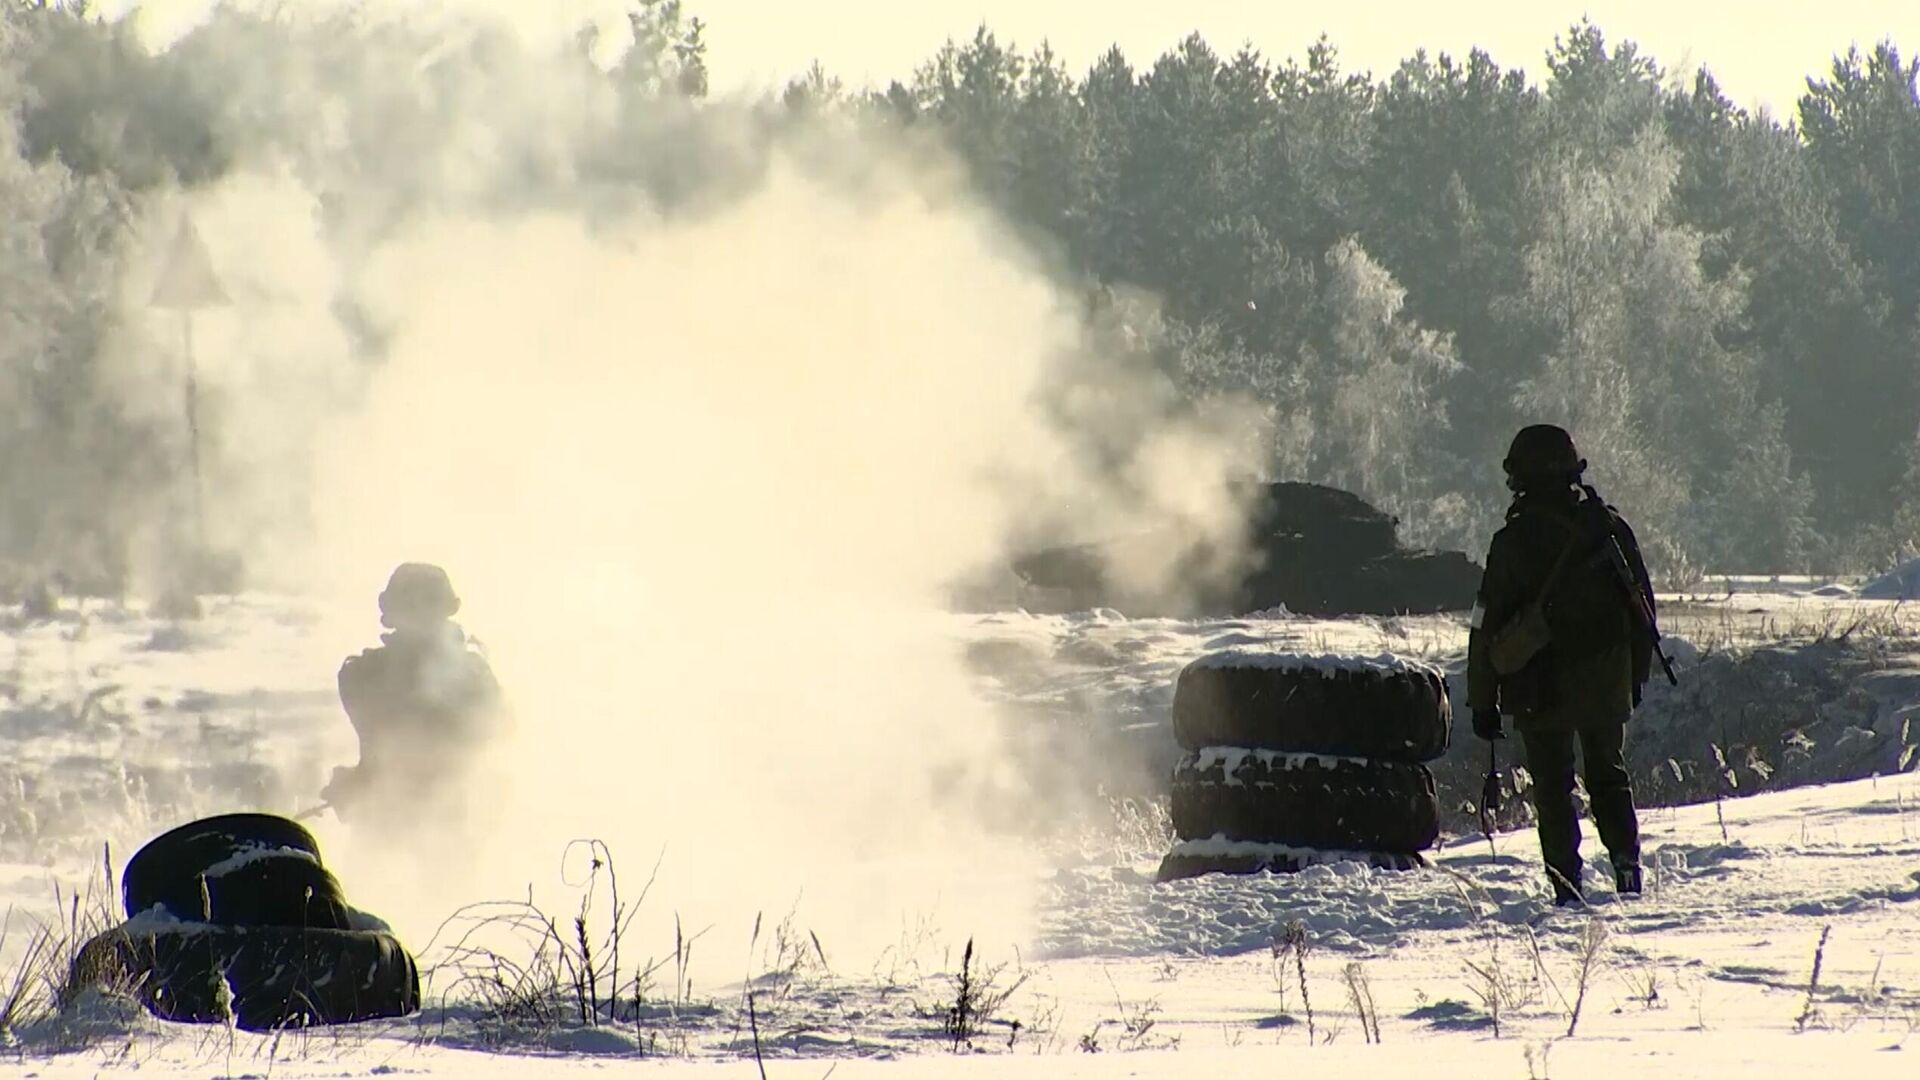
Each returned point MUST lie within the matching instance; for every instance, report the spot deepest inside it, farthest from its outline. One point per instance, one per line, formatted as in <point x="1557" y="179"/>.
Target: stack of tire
<point x="235" y="919"/>
<point x="1298" y="760"/>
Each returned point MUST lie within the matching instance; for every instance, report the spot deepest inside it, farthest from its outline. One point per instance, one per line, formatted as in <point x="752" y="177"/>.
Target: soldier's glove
<point x="1486" y="724"/>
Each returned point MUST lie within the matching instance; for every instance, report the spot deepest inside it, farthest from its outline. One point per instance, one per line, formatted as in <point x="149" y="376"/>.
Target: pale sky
<point x="1761" y="50"/>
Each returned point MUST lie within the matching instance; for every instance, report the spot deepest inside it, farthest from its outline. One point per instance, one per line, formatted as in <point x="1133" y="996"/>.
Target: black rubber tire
<point x="1180" y="863"/>
<point x="1387" y="709"/>
<point x="274" y="977"/>
<point x="278" y="890"/>
<point x="1305" y="801"/>
<point x="283" y="883"/>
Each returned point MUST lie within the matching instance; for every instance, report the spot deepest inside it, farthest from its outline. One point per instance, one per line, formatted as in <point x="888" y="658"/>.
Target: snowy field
<point x="117" y="725"/>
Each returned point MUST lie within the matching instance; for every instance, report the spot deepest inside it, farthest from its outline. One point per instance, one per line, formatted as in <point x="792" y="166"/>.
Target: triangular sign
<point x="187" y="280"/>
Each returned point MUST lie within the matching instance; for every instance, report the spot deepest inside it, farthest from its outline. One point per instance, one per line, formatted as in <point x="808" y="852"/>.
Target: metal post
<point x="193" y="433"/>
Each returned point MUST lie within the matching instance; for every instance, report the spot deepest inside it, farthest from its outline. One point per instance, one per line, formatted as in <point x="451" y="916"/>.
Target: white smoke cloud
<point x="702" y="468"/>
<point x="270" y="363"/>
<point x="700" y="485"/>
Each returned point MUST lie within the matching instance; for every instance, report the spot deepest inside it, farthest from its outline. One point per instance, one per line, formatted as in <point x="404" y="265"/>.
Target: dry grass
<point x="980" y="992"/>
<point x="1502" y="992"/>
<point x="1293" y="940"/>
<point x="1810" y="1012"/>
<point x="1142" y="828"/>
<point x="1593" y="940"/>
<point x="24" y="1000"/>
<point x="1719" y="627"/>
<point x="1135" y="1026"/>
<point x="526" y="973"/>
<point x="53" y="972"/>
<point x="1360" y="997"/>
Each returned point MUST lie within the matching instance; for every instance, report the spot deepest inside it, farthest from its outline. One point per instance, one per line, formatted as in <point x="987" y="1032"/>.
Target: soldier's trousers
<point x="1550" y="751"/>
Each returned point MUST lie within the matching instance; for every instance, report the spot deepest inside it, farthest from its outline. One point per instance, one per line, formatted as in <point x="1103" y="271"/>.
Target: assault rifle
<point x="1637" y="601"/>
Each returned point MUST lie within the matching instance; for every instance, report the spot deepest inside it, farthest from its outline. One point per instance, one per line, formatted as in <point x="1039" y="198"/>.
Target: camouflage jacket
<point x="420" y="693"/>
<point x="1520" y="559"/>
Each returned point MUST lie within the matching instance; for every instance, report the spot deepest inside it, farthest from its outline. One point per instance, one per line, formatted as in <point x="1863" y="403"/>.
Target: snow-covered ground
<point x="117" y="725"/>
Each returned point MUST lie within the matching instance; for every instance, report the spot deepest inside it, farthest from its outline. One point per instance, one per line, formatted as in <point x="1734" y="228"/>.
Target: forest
<point x="1400" y="268"/>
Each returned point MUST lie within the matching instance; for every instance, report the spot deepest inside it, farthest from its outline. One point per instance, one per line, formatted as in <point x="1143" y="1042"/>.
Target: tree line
<point x="1401" y="270"/>
<point x="1723" y="306"/>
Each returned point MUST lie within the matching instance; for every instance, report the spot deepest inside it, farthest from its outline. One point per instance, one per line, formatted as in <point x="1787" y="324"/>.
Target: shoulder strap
<point x="1604" y="517"/>
<point x="1566" y="553"/>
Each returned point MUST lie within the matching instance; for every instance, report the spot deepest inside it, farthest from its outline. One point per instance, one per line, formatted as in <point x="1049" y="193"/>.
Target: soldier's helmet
<point x="1542" y="454"/>
<point x="417" y="592"/>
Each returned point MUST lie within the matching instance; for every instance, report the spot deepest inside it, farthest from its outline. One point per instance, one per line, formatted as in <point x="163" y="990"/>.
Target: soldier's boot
<point x="1566" y="886"/>
<point x="1626" y="879"/>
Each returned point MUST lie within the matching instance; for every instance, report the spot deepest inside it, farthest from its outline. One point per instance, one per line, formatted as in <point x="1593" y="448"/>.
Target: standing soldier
<point x="1563" y="637"/>
<point x="424" y="705"/>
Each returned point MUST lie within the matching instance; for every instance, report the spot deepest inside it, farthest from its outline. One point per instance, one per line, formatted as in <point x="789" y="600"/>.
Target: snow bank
<point x="1900" y="583"/>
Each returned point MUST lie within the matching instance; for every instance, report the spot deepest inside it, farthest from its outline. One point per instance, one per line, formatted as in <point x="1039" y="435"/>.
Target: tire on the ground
<point x="1194" y="860"/>
<point x="1304" y="801"/>
<point x="237" y="870"/>
<point x="270" y="977"/>
<point x="1384" y="708"/>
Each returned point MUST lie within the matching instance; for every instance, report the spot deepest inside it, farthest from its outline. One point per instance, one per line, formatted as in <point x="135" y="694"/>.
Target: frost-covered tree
<point x="1903" y="540"/>
<point x="1595" y="223"/>
<point x="1211" y="365"/>
<point x="1723" y="306"/>
<point x="78" y="478"/>
<point x="1667" y="413"/>
<point x="1861" y="128"/>
<point x="1378" y="384"/>
<point x="668" y="51"/>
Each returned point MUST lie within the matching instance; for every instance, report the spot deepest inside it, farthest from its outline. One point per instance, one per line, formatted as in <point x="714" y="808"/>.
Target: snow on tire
<point x="1304" y="800"/>
<point x="265" y="977"/>
<point x="236" y="870"/>
<point x="1218" y="855"/>
<point x="1386" y="708"/>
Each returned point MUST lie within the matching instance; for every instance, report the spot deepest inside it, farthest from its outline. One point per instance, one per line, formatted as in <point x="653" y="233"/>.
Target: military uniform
<point x="424" y="704"/>
<point x="419" y="694"/>
<point x="1580" y="689"/>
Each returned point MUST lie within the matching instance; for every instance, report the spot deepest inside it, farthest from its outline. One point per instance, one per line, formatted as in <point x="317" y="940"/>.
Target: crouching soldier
<point x="424" y="704"/>
<point x="1562" y="640"/>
